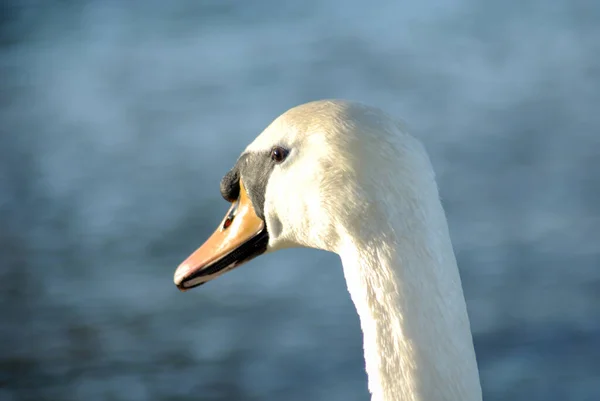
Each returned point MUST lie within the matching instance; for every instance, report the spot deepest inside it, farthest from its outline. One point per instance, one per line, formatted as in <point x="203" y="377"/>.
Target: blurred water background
<point x="119" y="118"/>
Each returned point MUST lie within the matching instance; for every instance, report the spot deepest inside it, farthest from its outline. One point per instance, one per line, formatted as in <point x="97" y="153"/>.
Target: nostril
<point x="227" y="222"/>
<point x="230" y="216"/>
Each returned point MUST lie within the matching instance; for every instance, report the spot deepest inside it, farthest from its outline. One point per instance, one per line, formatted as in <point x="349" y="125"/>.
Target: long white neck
<point x="404" y="281"/>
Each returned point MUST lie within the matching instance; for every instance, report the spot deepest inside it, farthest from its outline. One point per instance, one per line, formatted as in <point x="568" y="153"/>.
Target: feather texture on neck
<point x="356" y="184"/>
<point x="402" y="275"/>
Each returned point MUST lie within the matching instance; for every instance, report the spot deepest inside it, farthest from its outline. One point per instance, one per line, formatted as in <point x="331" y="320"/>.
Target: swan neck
<point x="407" y="291"/>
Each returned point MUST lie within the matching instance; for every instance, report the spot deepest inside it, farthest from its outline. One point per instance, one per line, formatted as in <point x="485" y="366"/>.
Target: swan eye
<point x="278" y="154"/>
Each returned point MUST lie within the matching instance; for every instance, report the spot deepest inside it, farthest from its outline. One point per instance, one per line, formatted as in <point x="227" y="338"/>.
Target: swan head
<point x="317" y="175"/>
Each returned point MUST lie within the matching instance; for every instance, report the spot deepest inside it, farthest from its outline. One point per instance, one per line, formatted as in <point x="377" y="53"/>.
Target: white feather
<point x="356" y="184"/>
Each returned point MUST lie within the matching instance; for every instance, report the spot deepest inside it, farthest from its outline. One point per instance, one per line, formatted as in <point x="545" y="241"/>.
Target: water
<point x="119" y="119"/>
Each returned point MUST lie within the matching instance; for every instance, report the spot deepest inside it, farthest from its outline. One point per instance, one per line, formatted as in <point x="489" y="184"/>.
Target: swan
<point x="347" y="178"/>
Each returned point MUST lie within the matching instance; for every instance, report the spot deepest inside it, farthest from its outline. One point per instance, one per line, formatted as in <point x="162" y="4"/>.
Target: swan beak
<point x="241" y="236"/>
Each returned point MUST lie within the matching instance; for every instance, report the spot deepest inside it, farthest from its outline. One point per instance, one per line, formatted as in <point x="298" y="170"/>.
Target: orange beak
<point x="241" y="236"/>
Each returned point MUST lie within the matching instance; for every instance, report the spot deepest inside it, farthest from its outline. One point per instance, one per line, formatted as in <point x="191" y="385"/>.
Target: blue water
<point x="118" y="120"/>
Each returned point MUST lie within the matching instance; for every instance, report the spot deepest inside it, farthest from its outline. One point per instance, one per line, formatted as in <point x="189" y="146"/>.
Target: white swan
<point x="346" y="178"/>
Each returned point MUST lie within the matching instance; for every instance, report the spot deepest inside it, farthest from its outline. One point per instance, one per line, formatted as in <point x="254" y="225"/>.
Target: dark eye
<point x="278" y="154"/>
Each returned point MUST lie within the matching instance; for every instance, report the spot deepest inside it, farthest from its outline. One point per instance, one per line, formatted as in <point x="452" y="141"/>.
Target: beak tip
<point x="180" y="274"/>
